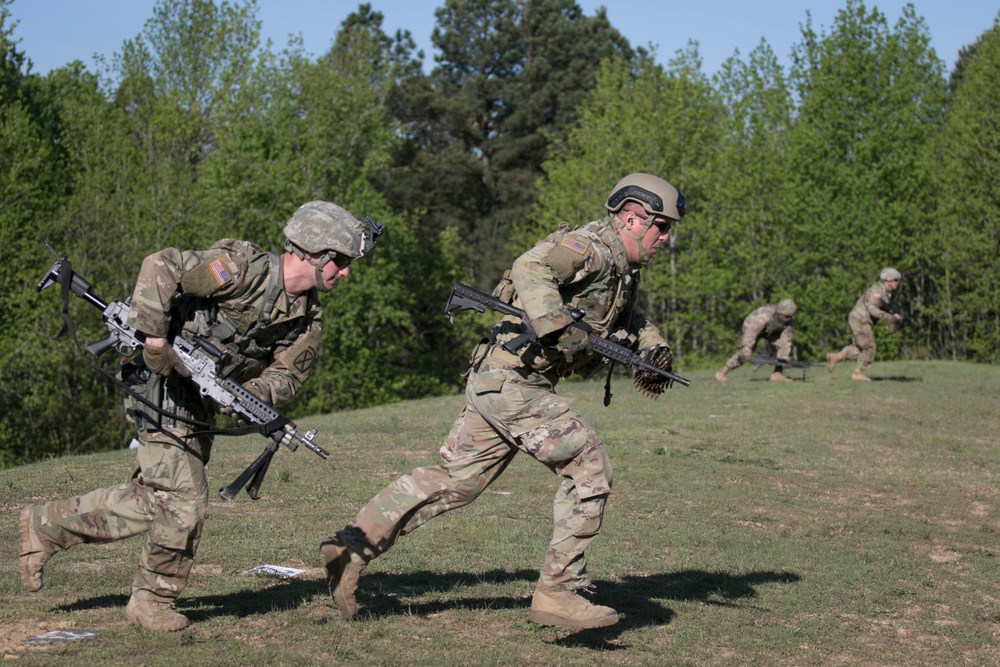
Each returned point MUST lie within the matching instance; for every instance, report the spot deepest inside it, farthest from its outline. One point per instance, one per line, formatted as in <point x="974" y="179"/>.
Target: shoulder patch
<point x="220" y="273"/>
<point x="574" y="245"/>
<point x="762" y="320"/>
<point x="876" y="295"/>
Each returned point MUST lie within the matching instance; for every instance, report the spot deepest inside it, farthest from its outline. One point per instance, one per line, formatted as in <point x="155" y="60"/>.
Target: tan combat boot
<point x="832" y="359"/>
<point x="34" y="551"/>
<point x="778" y="377"/>
<point x="721" y="375"/>
<point x="155" y="615"/>
<point x="567" y="608"/>
<point x="342" y="574"/>
<point x="859" y="376"/>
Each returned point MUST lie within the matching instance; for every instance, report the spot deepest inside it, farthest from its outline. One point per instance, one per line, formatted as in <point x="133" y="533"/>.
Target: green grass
<point x="823" y="522"/>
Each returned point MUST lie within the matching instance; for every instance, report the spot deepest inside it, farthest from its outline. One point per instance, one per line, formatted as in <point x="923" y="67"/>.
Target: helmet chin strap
<point x="642" y="253"/>
<point x="318" y="266"/>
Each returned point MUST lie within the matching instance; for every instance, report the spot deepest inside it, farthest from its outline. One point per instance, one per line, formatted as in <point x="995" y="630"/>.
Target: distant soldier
<point x="772" y="323"/>
<point x="263" y="310"/>
<point x="871" y="306"/>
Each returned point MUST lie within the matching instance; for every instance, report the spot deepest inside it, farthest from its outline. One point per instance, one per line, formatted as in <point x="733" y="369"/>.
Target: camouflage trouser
<point x="507" y="410"/>
<point x="863" y="347"/>
<point x="748" y="341"/>
<point x="166" y="500"/>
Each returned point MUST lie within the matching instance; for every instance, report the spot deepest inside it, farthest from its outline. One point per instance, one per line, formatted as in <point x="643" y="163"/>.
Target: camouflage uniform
<point x="764" y="323"/>
<point x="866" y="312"/>
<point x="511" y="404"/>
<point x="231" y="294"/>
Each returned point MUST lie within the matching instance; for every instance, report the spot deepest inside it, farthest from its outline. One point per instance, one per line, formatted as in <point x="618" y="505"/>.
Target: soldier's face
<point x="331" y="274"/>
<point x="657" y="233"/>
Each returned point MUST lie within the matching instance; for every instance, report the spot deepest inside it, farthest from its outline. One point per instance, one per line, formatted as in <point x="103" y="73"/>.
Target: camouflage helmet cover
<point x="786" y="307"/>
<point x="653" y="193"/>
<point x="889" y="273"/>
<point x="319" y="226"/>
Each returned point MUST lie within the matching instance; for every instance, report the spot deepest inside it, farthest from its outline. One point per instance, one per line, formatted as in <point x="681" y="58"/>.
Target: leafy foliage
<point x="800" y="184"/>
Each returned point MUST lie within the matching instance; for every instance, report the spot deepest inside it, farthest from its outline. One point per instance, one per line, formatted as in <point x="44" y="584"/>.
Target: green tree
<point x="744" y="258"/>
<point x="964" y="240"/>
<point x="643" y="118"/>
<point x="870" y="99"/>
<point x="509" y="77"/>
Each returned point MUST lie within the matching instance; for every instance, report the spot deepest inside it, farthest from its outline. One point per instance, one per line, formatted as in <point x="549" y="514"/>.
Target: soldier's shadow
<point x="639" y="600"/>
<point x="896" y="378"/>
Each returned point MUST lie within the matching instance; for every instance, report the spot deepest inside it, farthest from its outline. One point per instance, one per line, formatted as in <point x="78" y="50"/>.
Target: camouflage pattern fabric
<point x="511" y="406"/>
<point x="224" y="291"/>
<point x="763" y="323"/>
<point x="864" y="315"/>
<point x="219" y="293"/>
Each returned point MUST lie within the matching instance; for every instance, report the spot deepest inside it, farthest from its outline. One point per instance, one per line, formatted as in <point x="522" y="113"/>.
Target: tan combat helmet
<point x="655" y="195"/>
<point x="889" y="273"/>
<point x="786" y="307"/>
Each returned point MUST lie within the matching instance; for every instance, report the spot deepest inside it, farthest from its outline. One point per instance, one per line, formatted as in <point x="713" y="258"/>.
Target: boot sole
<point x="546" y="618"/>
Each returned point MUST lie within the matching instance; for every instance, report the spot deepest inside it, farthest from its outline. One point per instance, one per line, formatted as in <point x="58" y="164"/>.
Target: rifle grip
<point x="99" y="347"/>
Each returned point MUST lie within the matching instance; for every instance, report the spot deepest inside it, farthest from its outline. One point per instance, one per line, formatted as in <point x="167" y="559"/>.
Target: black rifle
<point x="759" y="360"/>
<point x="463" y="297"/>
<point x="893" y="308"/>
<point x="200" y="360"/>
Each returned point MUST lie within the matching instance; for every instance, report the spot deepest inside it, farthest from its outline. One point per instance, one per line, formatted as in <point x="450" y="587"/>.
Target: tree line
<point x="802" y="183"/>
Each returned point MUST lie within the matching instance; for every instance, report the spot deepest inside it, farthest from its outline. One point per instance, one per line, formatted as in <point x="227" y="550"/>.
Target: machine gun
<point x="463" y="297"/>
<point x="759" y="360"/>
<point x="201" y="359"/>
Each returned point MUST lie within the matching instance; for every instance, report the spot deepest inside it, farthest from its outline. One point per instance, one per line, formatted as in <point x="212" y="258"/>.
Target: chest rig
<point x="607" y="296"/>
<point x="252" y="324"/>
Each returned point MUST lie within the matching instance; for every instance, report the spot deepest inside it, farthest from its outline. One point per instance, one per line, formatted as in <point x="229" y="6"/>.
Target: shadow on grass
<point x="639" y="600"/>
<point x="896" y="378"/>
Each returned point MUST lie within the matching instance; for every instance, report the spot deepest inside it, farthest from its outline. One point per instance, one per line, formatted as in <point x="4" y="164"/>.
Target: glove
<point x="573" y="343"/>
<point x="163" y="361"/>
<point x="255" y="389"/>
<point x="898" y="317"/>
<point x="650" y="383"/>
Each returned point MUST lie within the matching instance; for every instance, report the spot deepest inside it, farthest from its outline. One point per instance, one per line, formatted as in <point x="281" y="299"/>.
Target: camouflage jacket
<point x="869" y="305"/>
<point x="764" y="322"/>
<point x="221" y="293"/>
<point x="585" y="268"/>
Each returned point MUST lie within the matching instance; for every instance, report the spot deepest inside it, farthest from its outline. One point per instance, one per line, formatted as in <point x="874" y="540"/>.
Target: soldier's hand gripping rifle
<point x="200" y="358"/>
<point x="463" y="297"/>
<point x="893" y="308"/>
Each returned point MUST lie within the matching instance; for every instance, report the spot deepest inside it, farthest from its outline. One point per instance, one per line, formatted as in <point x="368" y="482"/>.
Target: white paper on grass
<point x="59" y="637"/>
<point x="275" y="571"/>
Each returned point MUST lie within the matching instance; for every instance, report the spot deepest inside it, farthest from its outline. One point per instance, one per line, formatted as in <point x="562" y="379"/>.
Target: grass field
<point x="823" y="522"/>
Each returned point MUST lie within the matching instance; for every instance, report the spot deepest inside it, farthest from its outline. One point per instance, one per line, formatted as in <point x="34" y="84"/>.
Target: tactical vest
<point x="607" y="302"/>
<point x="249" y="326"/>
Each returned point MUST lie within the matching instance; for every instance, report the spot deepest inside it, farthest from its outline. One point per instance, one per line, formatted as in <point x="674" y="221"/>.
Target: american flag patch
<point x="574" y="245"/>
<point x="222" y="276"/>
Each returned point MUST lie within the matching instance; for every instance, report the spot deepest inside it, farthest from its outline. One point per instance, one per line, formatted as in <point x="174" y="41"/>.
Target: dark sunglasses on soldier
<point x="663" y="226"/>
